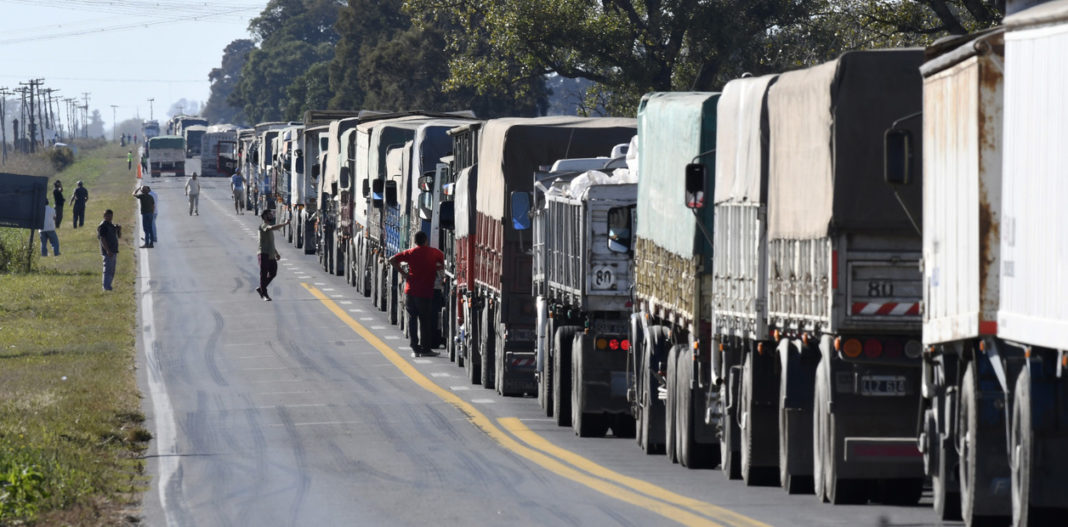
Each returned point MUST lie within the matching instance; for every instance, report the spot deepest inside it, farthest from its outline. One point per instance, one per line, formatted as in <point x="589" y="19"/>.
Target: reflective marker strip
<point x="895" y="309"/>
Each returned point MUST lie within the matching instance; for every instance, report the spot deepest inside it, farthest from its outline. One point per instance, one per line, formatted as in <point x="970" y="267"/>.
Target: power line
<point x="122" y="27"/>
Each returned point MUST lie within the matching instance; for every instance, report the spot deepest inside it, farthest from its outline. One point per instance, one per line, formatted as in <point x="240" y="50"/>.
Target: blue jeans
<point x="148" y="221"/>
<point x="49" y="236"/>
<point x="109" y="270"/>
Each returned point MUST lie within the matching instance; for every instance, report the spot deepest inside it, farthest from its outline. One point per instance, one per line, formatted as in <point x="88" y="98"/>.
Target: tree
<point x="223" y="81"/>
<point x="292" y="35"/>
<point x="184" y="106"/>
<point x="96" y="125"/>
<point x="309" y="91"/>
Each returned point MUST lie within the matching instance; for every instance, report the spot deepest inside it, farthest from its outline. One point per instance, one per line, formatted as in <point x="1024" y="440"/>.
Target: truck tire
<point x="545" y="377"/>
<point x="350" y="276"/>
<point x="1022" y="452"/>
<point x="488" y="339"/>
<point x="448" y="328"/>
<point x="826" y="446"/>
<point x="651" y="422"/>
<point x="561" y="372"/>
<point x="974" y="442"/>
<point x="670" y="411"/>
<point x="300" y="232"/>
<point x="584" y="424"/>
<point x="752" y="474"/>
<point x="339" y="257"/>
<point x="392" y="300"/>
<point x="691" y="454"/>
<point x="634" y="377"/>
<point x="472" y="362"/>
<point x="791" y="430"/>
<point x="944" y="468"/>
<point x="730" y="436"/>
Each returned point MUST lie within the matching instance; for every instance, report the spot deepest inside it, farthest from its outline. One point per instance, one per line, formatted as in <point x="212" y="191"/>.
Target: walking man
<point x="81" y="195"/>
<point x="268" y="255"/>
<point x="48" y="231"/>
<point x="59" y="200"/>
<point x="237" y="185"/>
<point x="424" y="262"/>
<point x="192" y="189"/>
<point x="108" y="234"/>
<point x="148" y="210"/>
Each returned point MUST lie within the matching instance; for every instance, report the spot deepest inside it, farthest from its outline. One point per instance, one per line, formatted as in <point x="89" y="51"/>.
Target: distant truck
<point x="219" y="153"/>
<point x="581" y="213"/>
<point x="500" y="319"/>
<point x="193" y="136"/>
<point x="166" y="155"/>
<point x="149" y="129"/>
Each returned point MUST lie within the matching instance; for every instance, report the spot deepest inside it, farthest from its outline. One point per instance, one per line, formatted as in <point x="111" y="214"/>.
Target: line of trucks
<point x="844" y="280"/>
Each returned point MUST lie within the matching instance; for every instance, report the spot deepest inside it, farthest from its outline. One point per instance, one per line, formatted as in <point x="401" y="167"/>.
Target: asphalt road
<point x="308" y="411"/>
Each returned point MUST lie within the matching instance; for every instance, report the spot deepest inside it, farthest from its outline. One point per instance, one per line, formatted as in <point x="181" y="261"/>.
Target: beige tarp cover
<point x="826" y="145"/>
<point x="741" y="141"/>
<point x="511" y="149"/>
<point x="463" y="214"/>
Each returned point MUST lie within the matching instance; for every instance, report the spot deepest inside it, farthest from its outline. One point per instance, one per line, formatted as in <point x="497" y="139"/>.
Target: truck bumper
<point x="518" y="375"/>
<point x="881" y="458"/>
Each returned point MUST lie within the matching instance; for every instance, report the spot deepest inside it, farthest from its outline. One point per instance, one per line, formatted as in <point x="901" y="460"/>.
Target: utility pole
<point x="3" y="122"/>
<point x="33" y="118"/>
<point x="42" y="113"/>
<point x="85" y="121"/>
<point x="114" y="124"/>
<point x="150" y="109"/>
<point x="51" y="114"/>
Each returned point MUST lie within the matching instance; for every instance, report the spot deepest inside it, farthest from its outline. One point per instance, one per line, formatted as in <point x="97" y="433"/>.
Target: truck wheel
<point x="634" y="376"/>
<point x="448" y="328"/>
<point x="691" y="454"/>
<point x="339" y="258"/>
<point x="1021" y="452"/>
<point x="300" y="231"/>
<point x="671" y="402"/>
<point x="651" y="424"/>
<point x="972" y="444"/>
<point x="729" y="434"/>
<point x="561" y="372"/>
<point x="498" y="362"/>
<point x="545" y="377"/>
<point x="584" y="424"/>
<point x="488" y="335"/>
<point x="825" y="446"/>
<point x="944" y="469"/>
<point x="752" y="474"/>
<point x="392" y="300"/>
<point x="350" y="276"/>
<point x="472" y="362"/>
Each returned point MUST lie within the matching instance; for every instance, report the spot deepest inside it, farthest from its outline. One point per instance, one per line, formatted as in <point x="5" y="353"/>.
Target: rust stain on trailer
<point x="990" y="123"/>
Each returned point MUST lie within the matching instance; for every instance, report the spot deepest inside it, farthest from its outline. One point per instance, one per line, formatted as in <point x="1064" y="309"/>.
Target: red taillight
<point x="624" y="344"/>
<point x="613" y="344"/>
<point x="893" y="349"/>
<point x="873" y="348"/>
<point x="834" y="269"/>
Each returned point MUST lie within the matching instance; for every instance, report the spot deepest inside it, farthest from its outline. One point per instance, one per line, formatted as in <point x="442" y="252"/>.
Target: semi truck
<point x="826" y="356"/>
<point x="193" y="136"/>
<point x="149" y="129"/>
<point x="581" y="224"/>
<point x="289" y="168"/>
<point x="166" y="155"/>
<point x="219" y="153"/>
<point x="499" y="320"/>
<point x="993" y="323"/>
<point x="261" y="183"/>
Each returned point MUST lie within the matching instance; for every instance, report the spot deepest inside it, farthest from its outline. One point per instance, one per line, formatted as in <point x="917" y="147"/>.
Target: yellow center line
<point x="484" y="423"/>
<point x="520" y="430"/>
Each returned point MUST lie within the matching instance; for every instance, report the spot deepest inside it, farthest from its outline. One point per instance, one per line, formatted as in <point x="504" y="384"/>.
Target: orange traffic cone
<point x="139" y="171"/>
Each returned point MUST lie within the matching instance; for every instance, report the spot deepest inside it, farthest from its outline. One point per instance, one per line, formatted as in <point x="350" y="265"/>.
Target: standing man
<point x="237" y="185"/>
<point x="57" y="198"/>
<point x="48" y="231"/>
<point x="129" y="159"/>
<point x="81" y="196"/>
<point x="148" y="220"/>
<point x="192" y="189"/>
<point x="108" y="234"/>
<point x="155" y="215"/>
<point x="267" y="254"/>
<point x="424" y="262"/>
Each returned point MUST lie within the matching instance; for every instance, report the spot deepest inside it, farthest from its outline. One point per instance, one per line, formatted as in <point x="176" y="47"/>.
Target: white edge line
<point x="166" y="431"/>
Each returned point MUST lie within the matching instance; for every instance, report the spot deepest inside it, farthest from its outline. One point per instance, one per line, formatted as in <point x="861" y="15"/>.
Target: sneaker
<point x="266" y="297"/>
<point x="416" y="354"/>
<point x="146" y="246"/>
<point x="430" y="353"/>
<point x="260" y="291"/>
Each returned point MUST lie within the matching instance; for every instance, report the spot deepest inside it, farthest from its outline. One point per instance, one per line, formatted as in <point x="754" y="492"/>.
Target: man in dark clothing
<point x="81" y="195"/>
<point x="57" y="198"/>
<point x="108" y="234"/>
<point x="267" y="254"/>
<point x="424" y="262"/>
<point x="148" y="213"/>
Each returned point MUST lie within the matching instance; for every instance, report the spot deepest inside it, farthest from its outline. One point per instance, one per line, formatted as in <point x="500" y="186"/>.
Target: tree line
<point x="508" y="57"/>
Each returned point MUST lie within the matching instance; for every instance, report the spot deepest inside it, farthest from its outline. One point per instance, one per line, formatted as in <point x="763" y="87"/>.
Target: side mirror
<point x="897" y="156"/>
<point x="695" y="186"/>
<point x="315" y="171"/>
<point x="521" y="211"/>
<point x="391" y="193"/>
<point x="366" y="189"/>
<point x="426" y="183"/>
<point x="446" y="215"/>
<point x="620" y="226"/>
<point x="377" y="186"/>
<point x="426" y="206"/>
<point x="345" y="173"/>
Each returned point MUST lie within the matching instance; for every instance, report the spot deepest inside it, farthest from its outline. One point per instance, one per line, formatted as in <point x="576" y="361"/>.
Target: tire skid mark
<point x="211" y="347"/>
<point x="300" y="458"/>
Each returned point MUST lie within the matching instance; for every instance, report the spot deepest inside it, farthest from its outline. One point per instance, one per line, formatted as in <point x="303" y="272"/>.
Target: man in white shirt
<point x="192" y="189"/>
<point x="48" y="231"/>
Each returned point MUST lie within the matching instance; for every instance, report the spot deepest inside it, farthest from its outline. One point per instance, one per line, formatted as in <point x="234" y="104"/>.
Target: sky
<point x="122" y="52"/>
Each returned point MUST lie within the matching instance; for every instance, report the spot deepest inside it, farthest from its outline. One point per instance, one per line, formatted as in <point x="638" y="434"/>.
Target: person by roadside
<point x="108" y="234"/>
<point x="267" y="255"/>
<point x="148" y="210"/>
<point x="237" y="185"/>
<point x="57" y="198"/>
<point x="48" y="231"/>
<point x="192" y="190"/>
<point x="129" y="160"/>
<point x="81" y="196"/>
<point x="424" y="262"/>
<point x="155" y="216"/>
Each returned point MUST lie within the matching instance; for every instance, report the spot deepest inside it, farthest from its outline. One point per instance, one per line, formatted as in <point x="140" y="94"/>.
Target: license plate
<point x="883" y="385"/>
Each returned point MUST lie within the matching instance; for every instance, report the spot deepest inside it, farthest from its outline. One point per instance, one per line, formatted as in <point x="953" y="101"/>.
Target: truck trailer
<point x="166" y="155"/>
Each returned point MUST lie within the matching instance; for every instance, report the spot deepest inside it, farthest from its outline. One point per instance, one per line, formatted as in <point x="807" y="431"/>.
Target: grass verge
<point x="71" y="434"/>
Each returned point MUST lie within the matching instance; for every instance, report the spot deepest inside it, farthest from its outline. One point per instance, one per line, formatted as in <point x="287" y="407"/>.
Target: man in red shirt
<point x="424" y="262"/>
